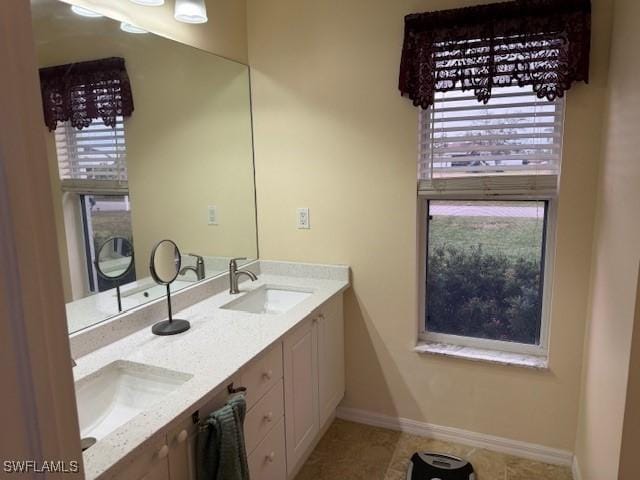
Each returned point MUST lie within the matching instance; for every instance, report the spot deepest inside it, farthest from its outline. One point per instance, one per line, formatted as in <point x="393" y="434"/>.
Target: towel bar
<point x="195" y="416"/>
<point x="233" y="390"/>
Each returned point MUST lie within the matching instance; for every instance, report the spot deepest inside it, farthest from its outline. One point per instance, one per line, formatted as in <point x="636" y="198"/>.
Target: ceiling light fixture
<point x="149" y="3"/>
<point x="190" y="11"/>
<point x="85" y="12"/>
<point x="130" y="28"/>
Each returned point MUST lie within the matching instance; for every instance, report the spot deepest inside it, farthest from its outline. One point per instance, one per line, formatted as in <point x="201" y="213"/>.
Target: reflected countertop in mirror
<point x="180" y="166"/>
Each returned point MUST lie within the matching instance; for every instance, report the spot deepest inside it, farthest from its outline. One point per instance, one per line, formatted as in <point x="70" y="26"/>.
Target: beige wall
<point x="225" y="33"/>
<point x="188" y="140"/>
<point x="616" y="258"/>
<point x="190" y="147"/>
<point x="333" y="134"/>
<point x="629" y="458"/>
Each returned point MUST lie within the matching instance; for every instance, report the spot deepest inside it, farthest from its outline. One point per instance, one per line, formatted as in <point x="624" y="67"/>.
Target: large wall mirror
<point x="173" y="160"/>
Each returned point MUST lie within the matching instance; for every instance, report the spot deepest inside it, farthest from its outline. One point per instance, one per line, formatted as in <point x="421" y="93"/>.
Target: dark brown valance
<point x="540" y="43"/>
<point x="84" y="91"/>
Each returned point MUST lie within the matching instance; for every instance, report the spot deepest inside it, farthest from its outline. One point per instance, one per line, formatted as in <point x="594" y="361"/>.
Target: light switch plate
<point x="212" y="211"/>
<point x="303" y="218"/>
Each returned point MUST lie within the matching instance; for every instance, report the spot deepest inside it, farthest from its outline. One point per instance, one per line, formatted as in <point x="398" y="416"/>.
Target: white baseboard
<point x="517" y="448"/>
<point x="575" y="469"/>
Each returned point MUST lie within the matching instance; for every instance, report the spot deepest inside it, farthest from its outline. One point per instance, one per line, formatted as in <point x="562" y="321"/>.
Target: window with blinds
<point x="92" y="159"/>
<point x="511" y="145"/>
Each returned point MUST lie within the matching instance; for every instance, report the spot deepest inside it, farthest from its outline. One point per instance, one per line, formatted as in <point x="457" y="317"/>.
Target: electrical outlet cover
<point x="212" y="211"/>
<point x="303" y="218"/>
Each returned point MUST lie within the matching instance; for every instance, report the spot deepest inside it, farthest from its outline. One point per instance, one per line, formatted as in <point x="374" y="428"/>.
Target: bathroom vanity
<point x="281" y="338"/>
<point x="178" y="167"/>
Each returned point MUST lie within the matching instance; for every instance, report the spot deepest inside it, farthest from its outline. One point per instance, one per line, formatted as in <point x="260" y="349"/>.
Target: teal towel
<point x="221" y="450"/>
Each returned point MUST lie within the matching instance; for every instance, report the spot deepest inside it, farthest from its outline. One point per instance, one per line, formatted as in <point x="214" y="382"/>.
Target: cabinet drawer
<point x="263" y="416"/>
<point x="267" y="462"/>
<point x="150" y="464"/>
<point x="262" y="374"/>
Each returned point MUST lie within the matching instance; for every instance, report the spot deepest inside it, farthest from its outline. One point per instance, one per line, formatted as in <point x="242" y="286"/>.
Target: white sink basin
<point x="269" y="299"/>
<point x="113" y="395"/>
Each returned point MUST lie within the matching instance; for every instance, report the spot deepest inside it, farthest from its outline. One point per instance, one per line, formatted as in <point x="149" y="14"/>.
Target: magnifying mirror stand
<point x="172" y="326"/>
<point x="119" y="297"/>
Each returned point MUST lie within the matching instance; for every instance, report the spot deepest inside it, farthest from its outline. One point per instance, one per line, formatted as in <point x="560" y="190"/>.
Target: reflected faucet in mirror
<point x="234" y="273"/>
<point x="198" y="269"/>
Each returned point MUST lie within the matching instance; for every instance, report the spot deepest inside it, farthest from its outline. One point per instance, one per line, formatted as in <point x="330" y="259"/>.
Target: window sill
<point x="498" y="357"/>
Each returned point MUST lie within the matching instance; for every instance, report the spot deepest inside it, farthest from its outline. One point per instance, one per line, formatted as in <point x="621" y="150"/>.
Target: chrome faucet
<point x="234" y="273"/>
<point x="198" y="269"/>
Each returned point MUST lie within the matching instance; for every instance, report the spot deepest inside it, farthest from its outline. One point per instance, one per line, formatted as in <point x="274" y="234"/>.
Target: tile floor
<point x="351" y="451"/>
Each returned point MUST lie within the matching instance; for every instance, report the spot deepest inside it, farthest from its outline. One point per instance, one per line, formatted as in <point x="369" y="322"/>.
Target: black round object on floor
<point x="438" y="466"/>
<point x="170" y="327"/>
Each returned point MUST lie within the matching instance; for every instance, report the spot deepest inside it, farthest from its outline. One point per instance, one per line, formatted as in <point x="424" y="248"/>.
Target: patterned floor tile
<point x="351" y="451"/>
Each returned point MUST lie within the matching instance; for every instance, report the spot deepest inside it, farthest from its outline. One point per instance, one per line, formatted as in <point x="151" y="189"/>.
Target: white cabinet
<point x="330" y="325"/>
<point x="157" y="471"/>
<point x="293" y="389"/>
<point x="267" y="461"/>
<point x="302" y="423"/>
<point x="264" y="423"/>
<point x="263" y="416"/>
<point x="314" y="379"/>
<point x="182" y="453"/>
<point x="261" y="374"/>
<point x="150" y="464"/>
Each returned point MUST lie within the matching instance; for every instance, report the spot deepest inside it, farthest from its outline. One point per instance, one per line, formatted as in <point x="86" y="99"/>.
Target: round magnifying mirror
<point x="165" y="262"/>
<point x="114" y="262"/>
<point x="164" y="266"/>
<point x="115" y="258"/>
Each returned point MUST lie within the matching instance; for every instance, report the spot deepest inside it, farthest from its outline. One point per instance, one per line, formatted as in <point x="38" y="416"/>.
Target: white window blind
<point x="92" y="159"/>
<point x="511" y="145"/>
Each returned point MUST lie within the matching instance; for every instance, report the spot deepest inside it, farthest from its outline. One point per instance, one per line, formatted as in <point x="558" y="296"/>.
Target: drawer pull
<point x="268" y="417"/>
<point x="271" y="457"/>
<point x="163" y="452"/>
<point x="268" y="374"/>
<point x="182" y="436"/>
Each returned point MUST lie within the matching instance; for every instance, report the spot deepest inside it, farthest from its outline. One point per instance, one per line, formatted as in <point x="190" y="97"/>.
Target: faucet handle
<point x="233" y="261"/>
<point x="198" y="258"/>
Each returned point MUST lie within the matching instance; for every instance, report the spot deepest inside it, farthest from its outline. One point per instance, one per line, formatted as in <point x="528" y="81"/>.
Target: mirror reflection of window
<point x="105" y="217"/>
<point x="95" y="153"/>
<point x="93" y="160"/>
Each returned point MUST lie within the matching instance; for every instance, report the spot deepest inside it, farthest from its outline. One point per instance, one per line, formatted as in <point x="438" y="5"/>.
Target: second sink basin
<point x="269" y="299"/>
<point x="113" y="395"/>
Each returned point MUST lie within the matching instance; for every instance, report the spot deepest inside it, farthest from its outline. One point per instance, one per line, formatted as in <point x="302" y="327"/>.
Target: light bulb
<point x="85" y="12"/>
<point x="130" y="28"/>
<point x="190" y="11"/>
<point x="149" y="3"/>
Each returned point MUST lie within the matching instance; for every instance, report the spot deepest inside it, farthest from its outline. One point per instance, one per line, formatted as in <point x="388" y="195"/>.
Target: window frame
<point x="424" y="336"/>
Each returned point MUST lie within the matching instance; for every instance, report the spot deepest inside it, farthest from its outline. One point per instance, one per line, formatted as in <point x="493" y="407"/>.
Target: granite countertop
<point x="97" y="307"/>
<point x="219" y="343"/>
